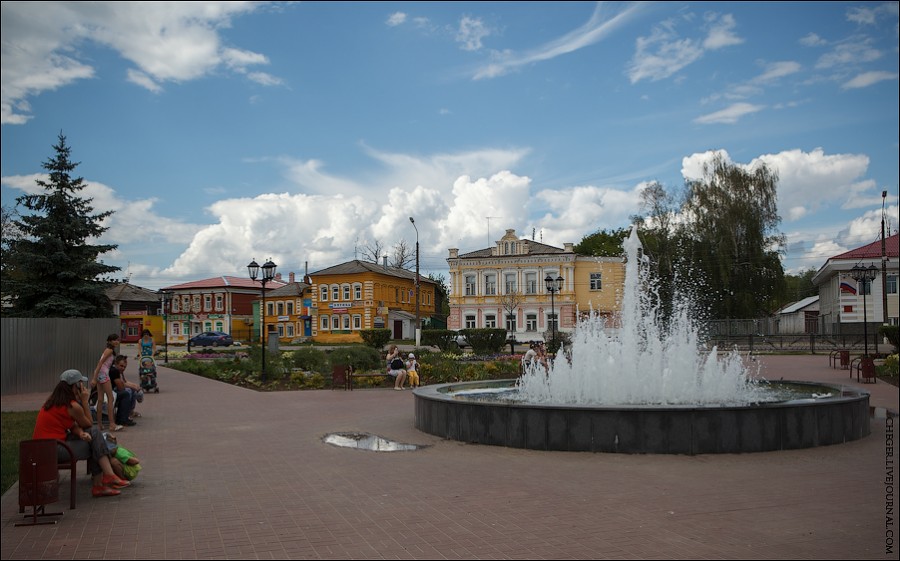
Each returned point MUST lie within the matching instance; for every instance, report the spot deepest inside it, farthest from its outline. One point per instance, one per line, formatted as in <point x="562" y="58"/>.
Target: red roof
<point x="225" y="282"/>
<point x="873" y="250"/>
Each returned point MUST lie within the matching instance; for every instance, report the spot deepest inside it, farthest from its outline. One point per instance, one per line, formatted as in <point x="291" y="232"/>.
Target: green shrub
<point x="360" y="358"/>
<point x="440" y="338"/>
<point x="310" y="359"/>
<point x="485" y="341"/>
<point x="891" y="367"/>
<point x="376" y="338"/>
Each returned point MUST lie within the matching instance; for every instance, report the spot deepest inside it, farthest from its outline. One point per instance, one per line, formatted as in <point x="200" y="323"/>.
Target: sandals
<point x="117" y="428"/>
<point x="114" y="482"/>
<point x="101" y="491"/>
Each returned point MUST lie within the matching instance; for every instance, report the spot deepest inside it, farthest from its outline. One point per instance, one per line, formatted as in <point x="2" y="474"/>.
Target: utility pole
<point x="884" y="305"/>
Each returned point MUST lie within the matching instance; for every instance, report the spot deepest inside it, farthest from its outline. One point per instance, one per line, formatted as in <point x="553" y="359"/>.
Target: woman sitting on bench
<point x="64" y="416"/>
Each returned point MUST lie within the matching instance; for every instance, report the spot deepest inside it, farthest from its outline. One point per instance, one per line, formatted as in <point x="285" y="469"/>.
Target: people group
<point x="67" y="415"/>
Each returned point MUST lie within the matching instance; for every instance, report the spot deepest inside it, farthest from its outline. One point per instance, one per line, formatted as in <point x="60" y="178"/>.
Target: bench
<point x="839" y="358"/>
<point x="865" y="367"/>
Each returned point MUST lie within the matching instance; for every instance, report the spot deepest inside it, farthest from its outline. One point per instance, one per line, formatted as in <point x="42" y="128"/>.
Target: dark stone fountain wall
<point x="644" y="429"/>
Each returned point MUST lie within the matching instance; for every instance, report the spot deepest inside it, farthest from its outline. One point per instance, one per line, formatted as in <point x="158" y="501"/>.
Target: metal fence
<point x="37" y="350"/>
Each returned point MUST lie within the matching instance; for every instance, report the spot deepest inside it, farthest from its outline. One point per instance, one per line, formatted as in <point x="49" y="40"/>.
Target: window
<point x="324" y="322"/>
<point x="490" y="321"/>
<point x="357" y="322"/>
<point x="346" y="322"/>
<point x="891" y="284"/>
<point x="289" y="330"/>
<point x="336" y="322"/>
<point x="176" y="307"/>
<point x="280" y="330"/>
<point x="220" y="303"/>
<point x="596" y="281"/>
<point x="207" y="302"/>
<point x="509" y="283"/>
<point x="186" y="303"/>
<point x="396" y="295"/>
<point x="530" y="283"/>
<point x="470" y="285"/>
<point x="511" y="323"/>
<point x="490" y="284"/>
<point x="323" y="296"/>
<point x="335" y="292"/>
<point x="280" y="307"/>
<point x="865" y="288"/>
<point x="357" y="291"/>
<point x="346" y="288"/>
<point x="530" y="322"/>
<point x="196" y="303"/>
<point x="553" y="322"/>
<point x="290" y="307"/>
<point x="270" y="309"/>
<point x="176" y="328"/>
<point x="470" y="322"/>
<point x="220" y="326"/>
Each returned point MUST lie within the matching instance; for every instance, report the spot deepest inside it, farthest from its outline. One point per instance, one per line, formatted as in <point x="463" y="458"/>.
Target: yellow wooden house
<point x="357" y="295"/>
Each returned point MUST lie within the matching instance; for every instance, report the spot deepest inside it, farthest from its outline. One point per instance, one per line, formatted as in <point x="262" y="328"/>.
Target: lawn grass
<point x="14" y="427"/>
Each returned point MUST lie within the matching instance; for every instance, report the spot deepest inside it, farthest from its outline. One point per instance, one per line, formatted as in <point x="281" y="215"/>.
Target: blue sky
<point x="223" y="132"/>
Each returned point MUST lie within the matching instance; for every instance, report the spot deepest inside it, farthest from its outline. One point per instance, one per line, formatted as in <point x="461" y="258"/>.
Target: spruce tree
<point x="53" y="270"/>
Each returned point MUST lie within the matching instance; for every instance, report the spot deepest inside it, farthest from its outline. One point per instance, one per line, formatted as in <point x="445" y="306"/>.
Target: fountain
<point x="643" y="388"/>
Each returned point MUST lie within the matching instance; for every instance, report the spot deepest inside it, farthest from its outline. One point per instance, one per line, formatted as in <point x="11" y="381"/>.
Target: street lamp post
<point x="164" y="295"/>
<point x="418" y="324"/>
<point x="863" y="276"/>
<point x="553" y="286"/>
<point x="268" y="274"/>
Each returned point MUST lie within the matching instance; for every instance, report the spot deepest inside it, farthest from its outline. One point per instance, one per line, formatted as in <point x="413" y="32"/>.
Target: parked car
<point x="211" y="339"/>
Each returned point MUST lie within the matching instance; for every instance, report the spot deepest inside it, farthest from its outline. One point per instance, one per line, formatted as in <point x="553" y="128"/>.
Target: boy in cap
<point x="412" y="371"/>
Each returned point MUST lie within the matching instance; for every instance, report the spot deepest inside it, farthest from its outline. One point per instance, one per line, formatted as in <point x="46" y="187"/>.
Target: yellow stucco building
<point x="504" y="286"/>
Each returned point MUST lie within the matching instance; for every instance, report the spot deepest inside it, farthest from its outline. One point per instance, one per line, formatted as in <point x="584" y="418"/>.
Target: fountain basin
<point x="644" y="429"/>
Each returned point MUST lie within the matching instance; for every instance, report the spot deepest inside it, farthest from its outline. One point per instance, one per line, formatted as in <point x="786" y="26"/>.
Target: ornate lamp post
<point x="863" y="276"/>
<point x="418" y="324"/>
<point x="268" y="274"/>
<point x="553" y="286"/>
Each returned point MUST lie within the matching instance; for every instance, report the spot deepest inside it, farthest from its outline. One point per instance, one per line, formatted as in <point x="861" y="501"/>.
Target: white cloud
<point x="849" y="53"/>
<point x="721" y="32"/>
<point x="729" y="115"/>
<point x="395" y="19"/>
<point x="664" y="53"/>
<point x="165" y="42"/>
<point x="598" y="27"/>
<point x="576" y="211"/>
<point x="812" y="40"/>
<point x="776" y="70"/>
<point x="862" y="16"/>
<point x="470" y="33"/>
<point x="867" y="79"/>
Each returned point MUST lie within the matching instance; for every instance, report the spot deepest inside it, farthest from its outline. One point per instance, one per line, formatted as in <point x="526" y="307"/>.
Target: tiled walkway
<point x="235" y="474"/>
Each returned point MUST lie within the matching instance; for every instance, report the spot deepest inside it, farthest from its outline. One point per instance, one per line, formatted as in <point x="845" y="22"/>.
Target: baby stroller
<point x="147" y="370"/>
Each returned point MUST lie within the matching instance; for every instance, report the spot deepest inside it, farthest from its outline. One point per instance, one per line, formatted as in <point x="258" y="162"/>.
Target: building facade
<point x="844" y="302"/>
<point x="137" y="309"/>
<point x="216" y="304"/>
<point x="288" y="312"/>
<point x="357" y="295"/>
<point x="503" y="287"/>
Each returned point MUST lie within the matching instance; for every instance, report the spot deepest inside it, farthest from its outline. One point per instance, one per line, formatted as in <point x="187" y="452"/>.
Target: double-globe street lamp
<point x="863" y="277"/>
<point x="268" y="274"/>
<point x="553" y="286"/>
<point x="418" y="326"/>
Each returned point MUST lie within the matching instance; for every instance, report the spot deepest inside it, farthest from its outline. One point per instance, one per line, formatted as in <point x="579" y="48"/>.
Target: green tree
<point x="798" y="287"/>
<point x="603" y="243"/>
<point x="57" y="271"/>
<point x="442" y="296"/>
<point x="731" y="226"/>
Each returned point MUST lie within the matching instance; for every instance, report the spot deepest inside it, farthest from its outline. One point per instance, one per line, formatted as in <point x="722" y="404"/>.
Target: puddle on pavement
<point x="364" y="441"/>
